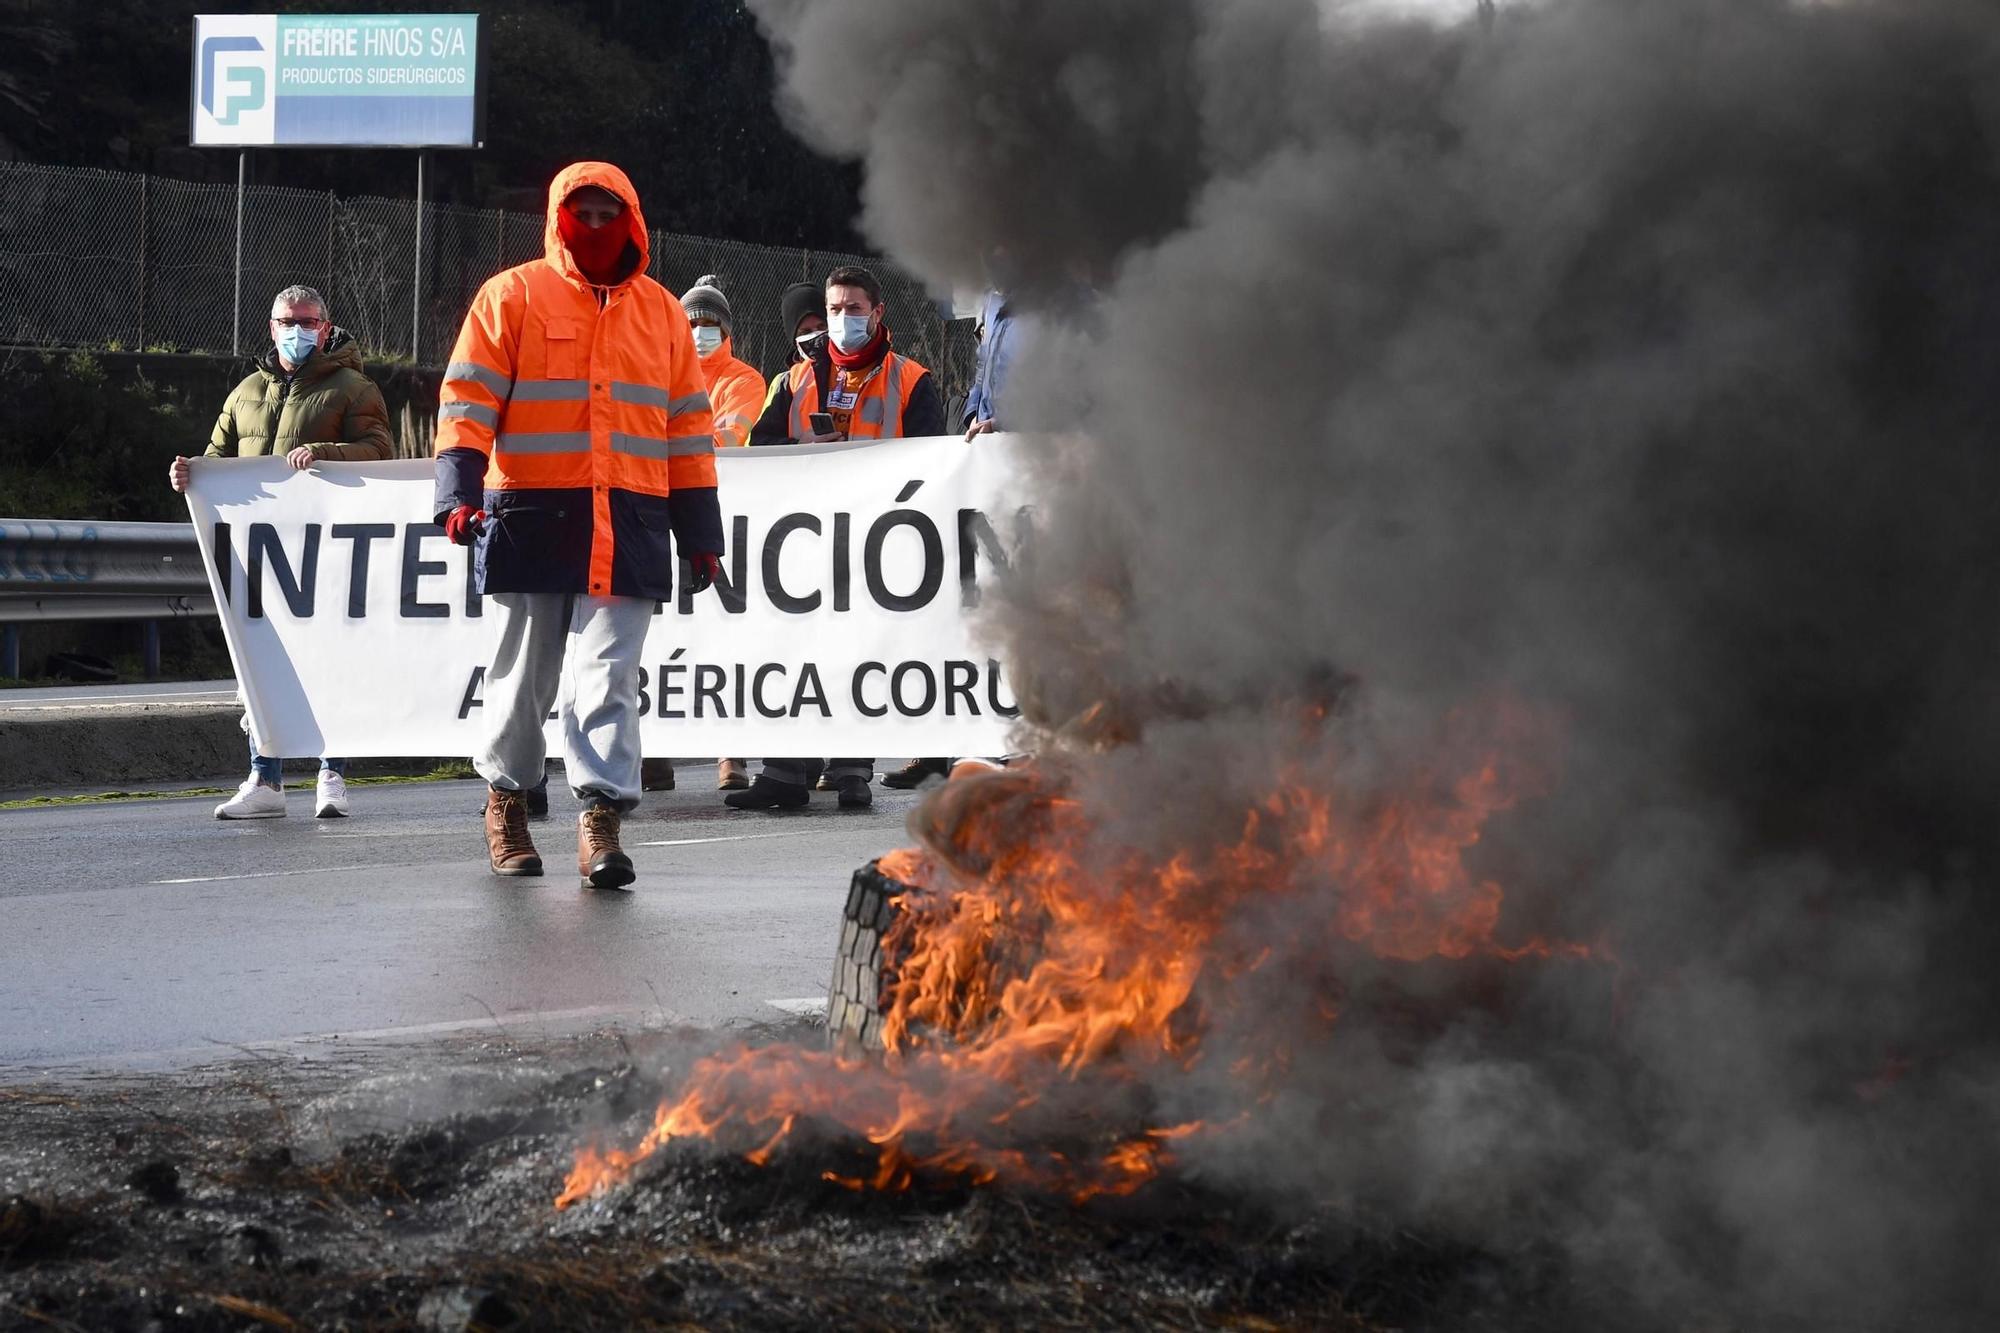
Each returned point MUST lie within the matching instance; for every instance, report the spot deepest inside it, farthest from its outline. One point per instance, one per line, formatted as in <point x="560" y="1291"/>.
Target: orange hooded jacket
<point x="575" y="414"/>
<point x="735" y="391"/>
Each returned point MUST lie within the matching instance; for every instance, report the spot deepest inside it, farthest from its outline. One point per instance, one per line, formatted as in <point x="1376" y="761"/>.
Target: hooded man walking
<point x="574" y="433"/>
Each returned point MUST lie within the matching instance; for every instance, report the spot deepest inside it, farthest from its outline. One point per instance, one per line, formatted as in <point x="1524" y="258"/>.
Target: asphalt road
<point x="147" y="934"/>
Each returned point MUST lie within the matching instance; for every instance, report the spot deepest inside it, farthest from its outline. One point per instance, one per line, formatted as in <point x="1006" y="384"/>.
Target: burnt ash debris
<point x="346" y="1196"/>
<point x="1632" y="357"/>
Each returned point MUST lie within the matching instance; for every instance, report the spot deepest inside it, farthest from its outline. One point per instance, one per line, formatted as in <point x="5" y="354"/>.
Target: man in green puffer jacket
<point x="309" y="403"/>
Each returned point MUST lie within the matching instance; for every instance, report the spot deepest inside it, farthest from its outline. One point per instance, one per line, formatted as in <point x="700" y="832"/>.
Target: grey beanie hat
<point x="706" y="298"/>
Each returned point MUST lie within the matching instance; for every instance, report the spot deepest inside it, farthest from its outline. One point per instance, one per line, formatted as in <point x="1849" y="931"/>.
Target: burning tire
<point x="854" y="999"/>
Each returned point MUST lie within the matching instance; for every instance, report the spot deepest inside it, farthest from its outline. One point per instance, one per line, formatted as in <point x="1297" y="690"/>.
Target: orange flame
<point x="1031" y="957"/>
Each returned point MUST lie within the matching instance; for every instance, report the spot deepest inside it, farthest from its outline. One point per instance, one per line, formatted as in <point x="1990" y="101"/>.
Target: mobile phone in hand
<point x="821" y="423"/>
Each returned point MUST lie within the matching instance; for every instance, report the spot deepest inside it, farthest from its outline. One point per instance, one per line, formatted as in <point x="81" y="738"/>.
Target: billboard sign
<point x="336" y="80"/>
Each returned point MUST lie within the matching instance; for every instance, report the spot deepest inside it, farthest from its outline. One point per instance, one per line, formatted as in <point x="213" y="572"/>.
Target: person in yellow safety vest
<point x="870" y="393"/>
<point x="802" y="310"/>
<point x="802" y="314"/>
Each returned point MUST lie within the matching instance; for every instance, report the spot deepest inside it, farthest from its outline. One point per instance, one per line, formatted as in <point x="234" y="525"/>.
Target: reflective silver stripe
<point x="645" y="395"/>
<point x="798" y="414"/>
<point x="488" y="417"/>
<point x="640" y="446"/>
<point x="876" y="409"/>
<point x="495" y="383"/>
<point x="544" y="442"/>
<point x="892" y="394"/>
<point x="646" y="446"/>
<point x="652" y="395"/>
<point x="552" y="391"/>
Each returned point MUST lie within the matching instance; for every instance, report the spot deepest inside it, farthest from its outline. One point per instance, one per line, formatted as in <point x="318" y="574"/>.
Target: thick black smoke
<point x="1640" y="358"/>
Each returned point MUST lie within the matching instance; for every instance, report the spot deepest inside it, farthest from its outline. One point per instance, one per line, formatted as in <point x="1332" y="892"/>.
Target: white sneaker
<point x="330" y="796"/>
<point x="253" y="800"/>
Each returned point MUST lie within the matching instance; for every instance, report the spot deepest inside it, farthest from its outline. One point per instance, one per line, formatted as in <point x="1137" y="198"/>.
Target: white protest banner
<point x="841" y="628"/>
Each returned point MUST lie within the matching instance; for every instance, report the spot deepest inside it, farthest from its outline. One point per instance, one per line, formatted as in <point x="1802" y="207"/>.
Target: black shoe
<point x="767" y="793"/>
<point x="854" y="793"/>
<point x="912" y="774"/>
<point x="656" y="775"/>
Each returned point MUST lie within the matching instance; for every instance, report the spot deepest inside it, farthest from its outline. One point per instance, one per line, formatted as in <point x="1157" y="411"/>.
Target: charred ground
<point x="412" y="1188"/>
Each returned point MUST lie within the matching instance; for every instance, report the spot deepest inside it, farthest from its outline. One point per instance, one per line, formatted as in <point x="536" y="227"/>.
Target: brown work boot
<point x="509" y="850"/>
<point x="599" y="859"/>
<point x="731" y="775"/>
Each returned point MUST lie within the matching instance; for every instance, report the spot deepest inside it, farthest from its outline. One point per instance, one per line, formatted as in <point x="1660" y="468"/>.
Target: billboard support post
<point x="417" y="272"/>
<point x="236" y="308"/>
<point x="145" y="253"/>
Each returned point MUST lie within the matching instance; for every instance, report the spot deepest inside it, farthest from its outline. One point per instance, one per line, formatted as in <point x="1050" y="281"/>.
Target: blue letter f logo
<point x="250" y="76"/>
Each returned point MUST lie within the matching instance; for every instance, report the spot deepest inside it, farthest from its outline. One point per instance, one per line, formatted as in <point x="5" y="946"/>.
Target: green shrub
<point x="76" y="442"/>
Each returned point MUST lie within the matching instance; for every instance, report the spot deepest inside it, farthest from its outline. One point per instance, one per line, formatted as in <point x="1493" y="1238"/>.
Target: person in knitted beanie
<point x="736" y="395"/>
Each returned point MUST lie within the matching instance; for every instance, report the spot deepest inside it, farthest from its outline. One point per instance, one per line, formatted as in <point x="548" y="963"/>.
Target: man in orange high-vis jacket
<point x="871" y="393"/>
<point x="574" y="434"/>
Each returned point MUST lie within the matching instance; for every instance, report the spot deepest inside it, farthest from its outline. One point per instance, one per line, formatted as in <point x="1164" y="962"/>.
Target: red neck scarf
<point x="596" y="250"/>
<point x="871" y="351"/>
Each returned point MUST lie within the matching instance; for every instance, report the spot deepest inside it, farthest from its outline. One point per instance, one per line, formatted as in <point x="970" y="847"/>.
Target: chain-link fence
<point x="121" y="260"/>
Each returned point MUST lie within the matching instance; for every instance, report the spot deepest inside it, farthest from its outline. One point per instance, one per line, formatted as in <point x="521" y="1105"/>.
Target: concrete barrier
<point x="132" y="744"/>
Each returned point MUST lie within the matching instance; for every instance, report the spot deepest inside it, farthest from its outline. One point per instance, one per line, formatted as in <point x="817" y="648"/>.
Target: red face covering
<point x="596" y="250"/>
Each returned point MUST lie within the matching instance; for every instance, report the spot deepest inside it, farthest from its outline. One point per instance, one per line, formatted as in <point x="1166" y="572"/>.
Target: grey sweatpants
<point x="600" y="639"/>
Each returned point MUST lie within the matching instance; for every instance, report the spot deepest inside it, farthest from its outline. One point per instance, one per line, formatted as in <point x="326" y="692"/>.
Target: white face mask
<point x="850" y="333"/>
<point x="707" y="338"/>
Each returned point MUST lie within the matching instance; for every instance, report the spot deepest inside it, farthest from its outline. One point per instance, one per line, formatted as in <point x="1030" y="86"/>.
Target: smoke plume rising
<point x="1634" y="358"/>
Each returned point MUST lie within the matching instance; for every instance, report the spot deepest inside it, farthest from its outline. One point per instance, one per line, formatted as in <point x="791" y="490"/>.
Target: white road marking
<point x="280" y="874"/>
<point x="733" y="837"/>
<point x="652" y="1016"/>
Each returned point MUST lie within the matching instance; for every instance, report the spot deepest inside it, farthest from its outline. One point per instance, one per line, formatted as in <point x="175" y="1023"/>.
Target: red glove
<point x="703" y="570"/>
<point x="462" y="524"/>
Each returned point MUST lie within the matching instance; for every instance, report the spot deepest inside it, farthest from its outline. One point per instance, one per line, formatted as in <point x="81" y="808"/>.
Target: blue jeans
<point x="271" y="772"/>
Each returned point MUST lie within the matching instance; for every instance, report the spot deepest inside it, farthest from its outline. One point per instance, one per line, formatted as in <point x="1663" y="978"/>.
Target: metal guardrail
<point x="95" y="606"/>
<point x="81" y="569"/>
<point x="83" y="557"/>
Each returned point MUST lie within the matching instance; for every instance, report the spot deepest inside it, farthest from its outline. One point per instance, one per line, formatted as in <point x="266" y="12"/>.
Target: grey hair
<point x="300" y="294"/>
